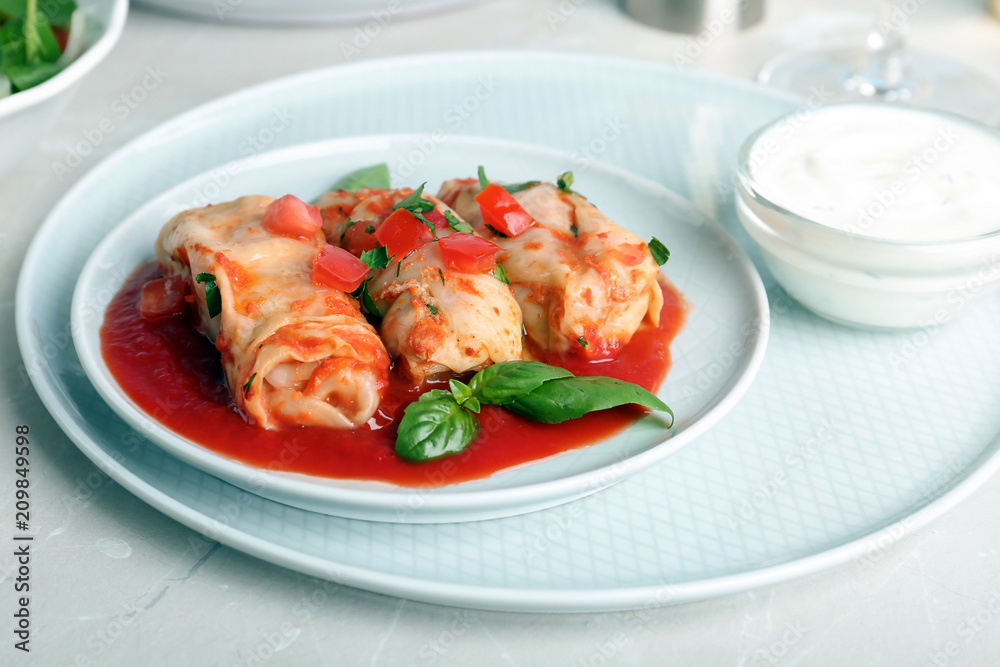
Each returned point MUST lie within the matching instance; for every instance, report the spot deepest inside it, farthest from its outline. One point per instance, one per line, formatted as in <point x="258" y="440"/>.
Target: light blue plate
<point x="727" y="306"/>
<point x="846" y="441"/>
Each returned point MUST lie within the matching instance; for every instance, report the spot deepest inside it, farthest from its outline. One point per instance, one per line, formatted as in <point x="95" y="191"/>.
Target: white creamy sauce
<point x="889" y="173"/>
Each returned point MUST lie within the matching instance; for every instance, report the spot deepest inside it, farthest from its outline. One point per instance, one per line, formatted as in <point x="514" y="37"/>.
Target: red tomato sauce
<point x="174" y="373"/>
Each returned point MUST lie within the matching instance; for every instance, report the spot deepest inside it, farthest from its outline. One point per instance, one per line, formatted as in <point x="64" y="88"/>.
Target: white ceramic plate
<point x="305" y="12"/>
<point x="770" y="493"/>
<point x="726" y="298"/>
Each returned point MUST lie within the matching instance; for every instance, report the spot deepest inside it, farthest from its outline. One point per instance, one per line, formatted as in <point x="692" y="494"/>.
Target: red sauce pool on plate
<point x="174" y="374"/>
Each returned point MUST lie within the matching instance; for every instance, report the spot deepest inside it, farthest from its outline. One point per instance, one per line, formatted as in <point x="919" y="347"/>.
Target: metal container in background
<point x="692" y="16"/>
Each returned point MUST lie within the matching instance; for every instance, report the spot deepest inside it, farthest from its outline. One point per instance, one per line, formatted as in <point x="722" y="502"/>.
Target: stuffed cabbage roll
<point x="585" y="285"/>
<point x="294" y="352"/>
<point x="443" y="310"/>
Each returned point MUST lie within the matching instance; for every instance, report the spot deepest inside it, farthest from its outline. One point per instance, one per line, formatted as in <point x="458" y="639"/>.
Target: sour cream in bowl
<point x="872" y="215"/>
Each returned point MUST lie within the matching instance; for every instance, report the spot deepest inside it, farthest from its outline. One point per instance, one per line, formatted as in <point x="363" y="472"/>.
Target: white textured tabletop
<point x="114" y="582"/>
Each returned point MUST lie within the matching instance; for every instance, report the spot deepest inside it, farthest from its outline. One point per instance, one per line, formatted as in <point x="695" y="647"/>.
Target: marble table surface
<point x="114" y="582"/>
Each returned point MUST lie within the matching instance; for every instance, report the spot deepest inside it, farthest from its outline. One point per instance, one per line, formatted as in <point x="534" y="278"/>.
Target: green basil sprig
<point x="443" y="422"/>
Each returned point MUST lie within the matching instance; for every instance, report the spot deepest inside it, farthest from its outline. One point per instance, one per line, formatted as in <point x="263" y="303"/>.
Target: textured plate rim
<point x="473" y="504"/>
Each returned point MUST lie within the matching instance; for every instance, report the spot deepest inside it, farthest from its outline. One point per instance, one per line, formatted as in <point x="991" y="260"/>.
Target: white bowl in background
<point x="26" y="116"/>
<point x="875" y="215"/>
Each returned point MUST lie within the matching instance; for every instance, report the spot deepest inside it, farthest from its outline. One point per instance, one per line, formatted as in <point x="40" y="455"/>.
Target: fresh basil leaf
<point x="660" y="252"/>
<point x="565" y="181"/>
<point x="517" y="187"/>
<point x="504" y="382"/>
<point x="501" y="275"/>
<point x="483" y="181"/>
<point x="377" y="258"/>
<point x="463" y="395"/>
<point x="246" y="387"/>
<point x="457" y="224"/>
<point x="213" y="298"/>
<point x="434" y="426"/>
<point x="375" y="176"/>
<point x="561" y="399"/>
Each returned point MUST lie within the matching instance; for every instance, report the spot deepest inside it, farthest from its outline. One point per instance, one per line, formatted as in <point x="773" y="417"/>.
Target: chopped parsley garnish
<point x="441" y="273"/>
<point x="246" y="387"/>
<point x="575" y="229"/>
<point x="457" y="224"/>
<point x="660" y="252"/>
<point x="377" y="258"/>
<point x="511" y="189"/>
<point x="501" y="275"/>
<point x="565" y="181"/>
<point x="366" y="300"/>
<point x="582" y="341"/>
<point x="213" y="298"/>
<point x="497" y="232"/>
<point x="517" y="187"/>
<point x="370" y="229"/>
<point x="434" y="310"/>
<point x="416" y="205"/>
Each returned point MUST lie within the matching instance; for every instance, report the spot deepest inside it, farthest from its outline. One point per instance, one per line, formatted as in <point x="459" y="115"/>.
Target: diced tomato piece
<point x="335" y="267"/>
<point x="468" y="254"/>
<point x="163" y="297"/>
<point x="437" y="217"/>
<point x="290" y="216"/>
<point x="502" y="212"/>
<point x="358" y="239"/>
<point x="402" y="233"/>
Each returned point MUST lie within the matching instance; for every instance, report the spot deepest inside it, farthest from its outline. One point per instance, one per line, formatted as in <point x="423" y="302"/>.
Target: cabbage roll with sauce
<point x="443" y="310"/>
<point x="294" y="352"/>
<point x="585" y="285"/>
